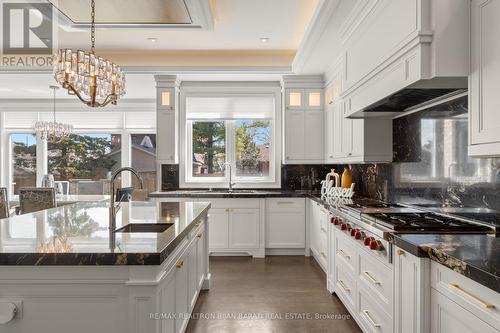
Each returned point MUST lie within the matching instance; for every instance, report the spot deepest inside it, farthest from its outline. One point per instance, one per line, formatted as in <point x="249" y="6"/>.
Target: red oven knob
<point x="375" y="245"/>
<point x="368" y="240"/>
<point x="359" y="234"/>
<point x="334" y="220"/>
<point x="344" y="226"/>
<point x="353" y="232"/>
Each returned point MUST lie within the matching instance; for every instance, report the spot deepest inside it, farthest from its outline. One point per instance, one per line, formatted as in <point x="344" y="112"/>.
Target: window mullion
<point x="231" y="146"/>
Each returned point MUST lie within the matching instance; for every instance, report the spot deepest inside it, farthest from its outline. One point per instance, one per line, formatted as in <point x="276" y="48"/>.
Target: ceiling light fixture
<point x="52" y="130"/>
<point x="264" y="39"/>
<point x="89" y="76"/>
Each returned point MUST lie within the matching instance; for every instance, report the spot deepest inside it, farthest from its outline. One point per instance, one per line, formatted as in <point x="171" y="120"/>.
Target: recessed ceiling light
<point x="264" y="39"/>
<point x="152" y="39"/>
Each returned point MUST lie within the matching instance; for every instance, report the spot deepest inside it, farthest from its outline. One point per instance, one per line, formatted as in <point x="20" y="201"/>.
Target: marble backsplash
<point x="431" y="165"/>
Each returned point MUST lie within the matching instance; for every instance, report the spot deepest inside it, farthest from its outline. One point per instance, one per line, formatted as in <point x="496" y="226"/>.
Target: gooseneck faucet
<point x="113" y="209"/>
<point x="230" y="185"/>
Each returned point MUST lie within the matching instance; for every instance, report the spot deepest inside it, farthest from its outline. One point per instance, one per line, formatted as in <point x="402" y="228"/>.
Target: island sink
<point x="145" y="227"/>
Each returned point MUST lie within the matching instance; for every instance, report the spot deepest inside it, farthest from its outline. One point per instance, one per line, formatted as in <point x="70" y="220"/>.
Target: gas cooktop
<point x="418" y="221"/>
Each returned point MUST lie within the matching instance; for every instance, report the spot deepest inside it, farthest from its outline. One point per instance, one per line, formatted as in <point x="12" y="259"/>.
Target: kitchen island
<point x="63" y="267"/>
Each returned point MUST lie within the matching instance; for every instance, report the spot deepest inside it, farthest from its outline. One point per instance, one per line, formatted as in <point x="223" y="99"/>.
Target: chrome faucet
<point x="113" y="209"/>
<point x="230" y="185"/>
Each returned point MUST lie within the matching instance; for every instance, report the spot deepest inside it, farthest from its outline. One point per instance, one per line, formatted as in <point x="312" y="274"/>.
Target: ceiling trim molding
<point x="200" y="11"/>
<point x="170" y="70"/>
<point x="315" y="30"/>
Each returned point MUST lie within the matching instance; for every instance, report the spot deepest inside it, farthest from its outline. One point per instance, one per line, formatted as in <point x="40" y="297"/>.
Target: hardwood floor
<point x="265" y="292"/>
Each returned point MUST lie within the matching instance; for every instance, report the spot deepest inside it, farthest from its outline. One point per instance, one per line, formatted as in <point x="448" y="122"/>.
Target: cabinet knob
<point x="331" y="156"/>
<point x="179" y="263"/>
<point x="350" y="154"/>
<point x="400" y="252"/>
<point x="199" y="235"/>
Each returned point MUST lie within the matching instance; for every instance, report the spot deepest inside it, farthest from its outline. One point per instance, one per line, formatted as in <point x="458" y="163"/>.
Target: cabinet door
<point x="313" y="99"/>
<point x="484" y="115"/>
<point x="357" y="138"/>
<point x="192" y="273"/>
<point x="329" y="131"/>
<point x="338" y="130"/>
<point x="411" y="285"/>
<point x="449" y="317"/>
<point x="314" y="227"/>
<point x="295" y="99"/>
<point x="166" y="301"/>
<point x="218" y="224"/>
<point x="181" y="293"/>
<point x="295" y="140"/>
<point x="285" y="230"/>
<point x="314" y="139"/>
<point x="243" y="228"/>
<point x="201" y="257"/>
<point x="347" y="136"/>
<point x="165" y="136"/>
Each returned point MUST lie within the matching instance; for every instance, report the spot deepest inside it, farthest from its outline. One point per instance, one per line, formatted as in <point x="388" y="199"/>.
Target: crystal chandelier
<point x="88" y="76"/>
<point x="52" y="130"/>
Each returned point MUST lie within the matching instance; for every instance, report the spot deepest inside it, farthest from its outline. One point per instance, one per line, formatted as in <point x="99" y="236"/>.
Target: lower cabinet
<point x="285" y="223"/>
<point x="236" y="226"/>
<point x="411" y="292"/>
<point x="318" y="233"/>
<point x="449" y="317"/>
<point x="179" y="287"/>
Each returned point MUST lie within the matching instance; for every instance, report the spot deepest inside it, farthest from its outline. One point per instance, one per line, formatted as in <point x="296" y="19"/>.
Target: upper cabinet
<point x="392" y="45"/>
<point x="303" y="120"/>
<point x="484" y="100"/>
<point x="166" y="118"/>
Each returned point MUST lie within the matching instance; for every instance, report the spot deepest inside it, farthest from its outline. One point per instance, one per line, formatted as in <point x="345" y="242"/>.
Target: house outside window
<point x="237" y="129"/>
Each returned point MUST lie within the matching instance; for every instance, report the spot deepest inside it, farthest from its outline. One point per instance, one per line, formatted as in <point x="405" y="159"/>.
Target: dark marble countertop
<point x="237" y="193"/>
<point x="475" y="256"/>
<point x="78" y="234"/>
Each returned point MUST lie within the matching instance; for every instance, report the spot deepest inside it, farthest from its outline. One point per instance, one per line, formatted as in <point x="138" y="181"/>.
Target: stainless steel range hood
<point x="417" y="96"/>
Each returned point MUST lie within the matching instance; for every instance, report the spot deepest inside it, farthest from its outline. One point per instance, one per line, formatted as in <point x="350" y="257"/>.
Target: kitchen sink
<point x="144" y="227"/>
<point x="215" y="192"/>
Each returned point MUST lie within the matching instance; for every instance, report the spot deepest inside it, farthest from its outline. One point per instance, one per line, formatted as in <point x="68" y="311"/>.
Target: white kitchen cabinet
<point x="318" y="233"/>
<point x="244" y="227"/>
<point x="166" y="299"/>
<point x="285" y="223"/>
<point x="167" y="118"/>
<point x="219" y="227"/>
<point x="449" y="317"/>
<point x="237" y="226"/>
<point x="182" y="292"/>
<point x="411" y="292"/>
<point x="484" y="100"/>
<point x="202" y="265"/>
<point x="303" y="119"/>
<point x="192" y="262"/>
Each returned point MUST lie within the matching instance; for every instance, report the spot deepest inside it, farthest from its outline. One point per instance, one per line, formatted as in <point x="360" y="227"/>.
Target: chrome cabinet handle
<point x="343" y="286"/>
<point x="343" y="254"/>
<point x="370" y="319"/>
<point x="471" y="296"/>
<point x="371" y="278"/>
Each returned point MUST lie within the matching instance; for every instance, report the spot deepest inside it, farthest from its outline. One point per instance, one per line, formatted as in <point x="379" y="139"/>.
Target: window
<point x="232" y="129"/>
<point x="253" y="144"/>
<point x="85" y="161"/>
<point x="23" y="152"/>
<point x="143" y="155"/>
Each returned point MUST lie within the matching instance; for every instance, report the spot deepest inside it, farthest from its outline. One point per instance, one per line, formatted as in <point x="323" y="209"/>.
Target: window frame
<point x="185" y="152"/>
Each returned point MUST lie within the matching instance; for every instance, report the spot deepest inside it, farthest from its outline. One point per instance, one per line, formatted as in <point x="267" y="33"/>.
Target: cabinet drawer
<point x="448" y="316"/>
<point x="345" y="287"/>
<point x="472" y="296"/>
<point x="370" y="313"/>
<point x="285" y="205"/>
<point x="323" y="249"/>
<point x="345" y="251"/>
<point x="377" y="277"/>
